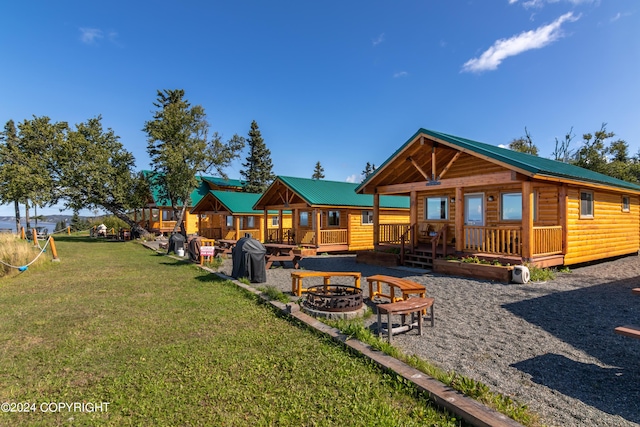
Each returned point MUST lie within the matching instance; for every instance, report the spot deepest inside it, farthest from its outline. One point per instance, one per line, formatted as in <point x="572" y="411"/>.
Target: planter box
<point x="498" y="273"/>
<point x="383" y="259"/>
<point x="305" y="252"/>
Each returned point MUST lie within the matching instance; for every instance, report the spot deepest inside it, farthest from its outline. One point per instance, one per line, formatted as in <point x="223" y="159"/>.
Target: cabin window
<point x="249" y="222"/>
<point x="511" y="206"/>
<point x="334" y="219"/>
<point x="586" y="204"/>
<point x="304" y="219"/>
<point x="275" y="221"/>
<point x="367" y="217"/>
<point x="167" y="215"/>
<point x="626" y="204"/>
<point x="436" y="208"/>
<point x="230" y="221"/>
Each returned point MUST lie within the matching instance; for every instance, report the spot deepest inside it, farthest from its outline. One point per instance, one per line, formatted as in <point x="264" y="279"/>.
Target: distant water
<point x="12" y="225"/>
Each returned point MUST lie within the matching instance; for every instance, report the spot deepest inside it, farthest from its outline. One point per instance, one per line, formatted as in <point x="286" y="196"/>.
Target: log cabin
<point x="158" y="216"/>
<point x="488" y="201"/>
<point x="329" y="215"/>
<point x="230" y="215"/>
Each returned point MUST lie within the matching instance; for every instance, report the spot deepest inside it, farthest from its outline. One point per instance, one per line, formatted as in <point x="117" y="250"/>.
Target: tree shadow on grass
<point x="585" y="318"/>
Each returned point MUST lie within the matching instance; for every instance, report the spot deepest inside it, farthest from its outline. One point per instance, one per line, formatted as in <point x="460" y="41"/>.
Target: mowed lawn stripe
<point x="165" y="343"/>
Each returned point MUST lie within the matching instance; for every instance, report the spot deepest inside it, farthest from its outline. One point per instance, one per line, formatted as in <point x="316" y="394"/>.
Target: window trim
<point x="446" y="208"/>
<point x="593" y="203"/>
<point x="534" y="207"/>
<point x="304" y="223"/>
<point x="626" y="204"/>
<point x="337" y="216"/>
<point x="369" y="215"/>
<point x="275" y="221"/>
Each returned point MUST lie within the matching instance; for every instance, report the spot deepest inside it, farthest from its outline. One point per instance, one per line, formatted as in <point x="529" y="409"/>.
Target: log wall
<point x="611" y="232"/>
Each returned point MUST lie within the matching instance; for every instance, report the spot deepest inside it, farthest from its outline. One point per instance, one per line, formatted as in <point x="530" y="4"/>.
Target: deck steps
<point x="419" y="259"/>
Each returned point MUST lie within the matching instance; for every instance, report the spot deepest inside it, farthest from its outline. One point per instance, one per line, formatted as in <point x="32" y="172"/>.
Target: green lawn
<point x="165" y="343"/>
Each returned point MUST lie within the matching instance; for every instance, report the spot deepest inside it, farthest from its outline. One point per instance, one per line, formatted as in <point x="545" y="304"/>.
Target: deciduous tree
<point x="180" y="149"/>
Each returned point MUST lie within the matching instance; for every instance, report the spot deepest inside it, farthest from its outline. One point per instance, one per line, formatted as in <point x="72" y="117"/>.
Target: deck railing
<point x="211" y="232"/>
<point x="334" y="237"/>
<point x="392" y="233"/>
<point x="255" y="233"/>
<point x="493" y="240"/>
<point x="275" y="235"/>
<point x="547" y="240"/>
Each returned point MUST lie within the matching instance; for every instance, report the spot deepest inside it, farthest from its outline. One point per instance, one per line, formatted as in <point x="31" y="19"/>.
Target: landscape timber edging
<point x="499" y="273"/>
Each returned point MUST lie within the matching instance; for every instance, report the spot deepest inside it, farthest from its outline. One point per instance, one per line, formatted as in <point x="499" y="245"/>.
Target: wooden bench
<point x="406" y="287"/>
<point x="413" y="306"/>
<point x="628" y="331"/>
<point x="297" y="276"/>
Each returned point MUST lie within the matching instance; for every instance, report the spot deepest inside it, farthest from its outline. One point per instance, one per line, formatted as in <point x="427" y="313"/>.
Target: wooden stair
<point x="420" y="258"/>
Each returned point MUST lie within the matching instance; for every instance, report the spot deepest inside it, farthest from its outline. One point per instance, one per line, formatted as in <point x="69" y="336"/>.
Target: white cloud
<point x="378" y="40"/>
<point x="400" y="74"/>
<point x="90" y="35"/>
<point x="504" y="48"/>
<point x="528" y="4"/>
<point x="354" y="178"/>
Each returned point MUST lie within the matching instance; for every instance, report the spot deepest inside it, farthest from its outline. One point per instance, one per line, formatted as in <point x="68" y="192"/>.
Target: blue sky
<point x="340" y="82"/>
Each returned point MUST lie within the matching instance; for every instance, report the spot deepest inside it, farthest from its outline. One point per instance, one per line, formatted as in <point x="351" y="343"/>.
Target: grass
<point x="165" y="343"/>
<point x="469" y="387"/>
<point x="15" y="252"/>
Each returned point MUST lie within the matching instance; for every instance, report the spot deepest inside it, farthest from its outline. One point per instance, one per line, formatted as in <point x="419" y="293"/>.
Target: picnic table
<point x="224" y="246"/>
<point x="404" y="286"/>
<point x="631" y="331"/>
<point x="281" y="252"/>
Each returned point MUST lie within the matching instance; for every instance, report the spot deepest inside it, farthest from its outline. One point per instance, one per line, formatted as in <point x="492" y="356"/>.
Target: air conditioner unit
<point x="520" y="274"/>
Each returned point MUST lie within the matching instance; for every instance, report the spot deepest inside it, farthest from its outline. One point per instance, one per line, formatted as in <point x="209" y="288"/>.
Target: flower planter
<point x="383" y="259"/>
<point x="498" y="273"/>
<point x="305" y="252"/>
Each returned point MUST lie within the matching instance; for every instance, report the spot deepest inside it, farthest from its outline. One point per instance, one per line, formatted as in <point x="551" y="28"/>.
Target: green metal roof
<point x="222" y="182"/>
<point x="526" y="162"/>
<point x="238" y="203"/>
<point x="317" y="192"/>
<point x="196" y="195"/>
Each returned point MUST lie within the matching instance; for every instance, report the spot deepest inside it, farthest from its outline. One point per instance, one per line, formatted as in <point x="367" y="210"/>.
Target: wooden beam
<point x="527" y="221"/>
<point x="563" y="215"/>
<point x="413" y="217"/>
<point x="376" y="220"/>
<point x="413" y="162"/>
<point x="433" y="162"/>
<point x="471" y="181"/>
<point x="446" y="168"/>
<point x="459" y="219"/>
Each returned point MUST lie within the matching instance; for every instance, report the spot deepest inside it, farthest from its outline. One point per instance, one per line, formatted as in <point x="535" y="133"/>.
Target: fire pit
<point x="333" y="301"/>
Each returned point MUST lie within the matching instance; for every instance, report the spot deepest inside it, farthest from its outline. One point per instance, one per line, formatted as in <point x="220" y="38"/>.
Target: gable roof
<point x="222" y="182"/>
<point x="238" y="203"/>
<point x="527" y="164"/>
<point x="196" y="195"/>
<point x="317" y="192"/>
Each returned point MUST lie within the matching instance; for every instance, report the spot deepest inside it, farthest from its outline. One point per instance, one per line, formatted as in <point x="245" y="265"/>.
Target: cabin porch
<point x="418" y="245"/>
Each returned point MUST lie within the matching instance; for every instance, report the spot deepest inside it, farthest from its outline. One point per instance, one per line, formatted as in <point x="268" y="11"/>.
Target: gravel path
<point x="550" y="346"/>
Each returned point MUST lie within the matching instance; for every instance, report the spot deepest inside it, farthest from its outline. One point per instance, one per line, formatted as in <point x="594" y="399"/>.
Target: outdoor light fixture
<point x="453" y="200"/>
<point x="490" y="198"/>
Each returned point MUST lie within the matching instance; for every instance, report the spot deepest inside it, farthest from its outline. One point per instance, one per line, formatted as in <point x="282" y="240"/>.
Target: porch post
<point x="527" y="221"/>
<point x="318" y="221"/>
<point x="459" y="220"/>
<point x="376" y="220"/>
<point x="236" y="220"/>
<point x="294" y="225"/>
<point x="563" y="215"/>
<point x="413" y="217"/>
<point x="265" y="223"/>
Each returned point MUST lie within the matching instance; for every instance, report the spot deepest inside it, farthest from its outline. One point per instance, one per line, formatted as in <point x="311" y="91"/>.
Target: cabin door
<point x="473" y="218"/>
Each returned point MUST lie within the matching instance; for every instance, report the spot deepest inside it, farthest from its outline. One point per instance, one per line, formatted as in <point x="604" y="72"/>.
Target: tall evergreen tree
<point x="318" y="172"/>
<point x="368" y="170"/>
<point x="258" y="168"/>
<point x="180" y="149"/>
